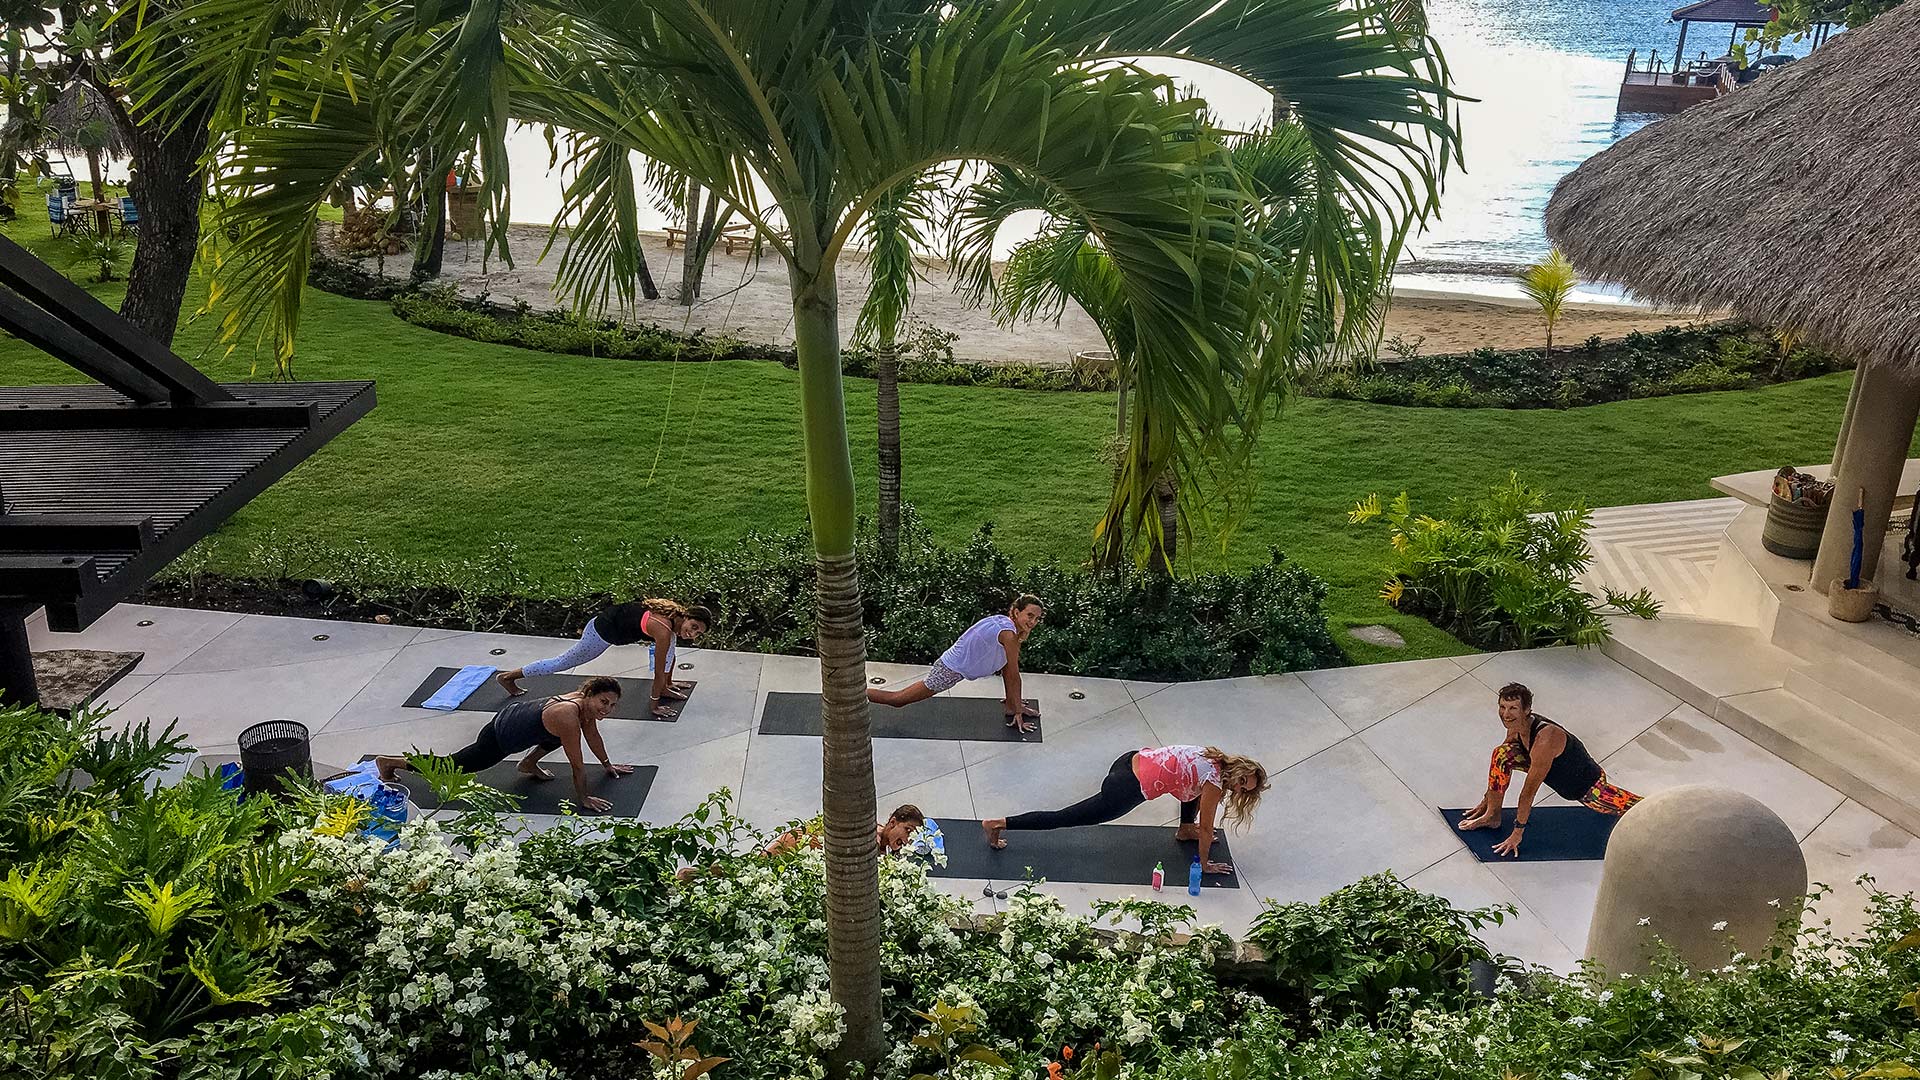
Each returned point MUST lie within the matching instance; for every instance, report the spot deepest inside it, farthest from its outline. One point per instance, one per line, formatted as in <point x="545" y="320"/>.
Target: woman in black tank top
<point x="1549" y="754"/>
<point x="540" y="726"/>
<point x="662" y="622"/>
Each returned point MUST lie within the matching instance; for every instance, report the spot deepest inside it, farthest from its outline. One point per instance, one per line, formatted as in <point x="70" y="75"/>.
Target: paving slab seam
<point x="1364" y="727"/>
<point x="175" y="670"/>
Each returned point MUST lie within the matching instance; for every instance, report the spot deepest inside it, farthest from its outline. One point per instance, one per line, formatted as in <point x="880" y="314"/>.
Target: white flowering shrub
<point x="552" y="952"/>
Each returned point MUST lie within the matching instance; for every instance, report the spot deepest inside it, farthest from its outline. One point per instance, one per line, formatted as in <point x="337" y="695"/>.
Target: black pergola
<point x="102" y="484"/>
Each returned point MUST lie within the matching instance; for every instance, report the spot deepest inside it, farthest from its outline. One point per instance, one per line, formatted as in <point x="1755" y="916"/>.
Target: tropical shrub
<point x="1359" y="949"/>
<point x="1676" y="360"/>
<point x="140" y="932"/>
<point x="1118" y="624"/>
<point x="1500" y="571"/>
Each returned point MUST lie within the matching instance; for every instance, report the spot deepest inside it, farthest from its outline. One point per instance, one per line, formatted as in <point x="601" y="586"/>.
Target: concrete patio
<point x="1361" y="756"/>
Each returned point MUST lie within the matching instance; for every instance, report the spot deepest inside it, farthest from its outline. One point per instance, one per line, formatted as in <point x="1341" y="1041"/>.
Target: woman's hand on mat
<point x="1019" y="723"/>
<point x="665" y="712"/>
<point x="1509" y="846"/>
<point x="618" y="770"/>
<point x="1218" y="867"/>
<point x="594" y="804"/>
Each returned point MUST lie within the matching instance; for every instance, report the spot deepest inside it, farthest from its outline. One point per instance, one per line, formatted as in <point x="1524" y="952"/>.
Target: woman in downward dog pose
<point x="989" y="647"/>
<point x="659" y="621"/>
<point x="1200" y="777"/>
<point x="1549" y="754"/>
<point x="540" y="727"/>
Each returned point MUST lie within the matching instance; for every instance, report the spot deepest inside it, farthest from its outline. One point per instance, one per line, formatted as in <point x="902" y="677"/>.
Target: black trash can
<point x="272" y="750"/>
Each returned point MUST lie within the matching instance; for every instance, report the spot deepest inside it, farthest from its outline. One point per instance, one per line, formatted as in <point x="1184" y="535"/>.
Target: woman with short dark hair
<point x="1549" y="754"/>
<point x="540" y="727"/>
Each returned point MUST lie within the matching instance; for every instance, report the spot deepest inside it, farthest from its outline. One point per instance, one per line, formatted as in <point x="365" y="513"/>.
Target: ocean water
<point x="1544" y="74"/>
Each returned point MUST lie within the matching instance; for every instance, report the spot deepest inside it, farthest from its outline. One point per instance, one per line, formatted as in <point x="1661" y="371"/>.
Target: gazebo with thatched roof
<point x="1792" y="202"/>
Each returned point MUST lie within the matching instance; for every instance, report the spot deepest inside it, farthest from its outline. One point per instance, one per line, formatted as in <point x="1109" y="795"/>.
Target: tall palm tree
<point x="1341" y="300"/>
<point x="814" y="109"/>
<point x="896" y="224"/>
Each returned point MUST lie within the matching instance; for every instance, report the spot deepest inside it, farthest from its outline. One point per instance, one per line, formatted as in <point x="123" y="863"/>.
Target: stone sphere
<point x="1706" y="870"/>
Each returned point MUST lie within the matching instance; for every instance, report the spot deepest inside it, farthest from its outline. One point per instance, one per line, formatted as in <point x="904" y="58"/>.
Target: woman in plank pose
<point x="1201" y="777"/>
<point x="659" y="621"/>
<point x="989" y="647"/>
<point x="540" y="727"/>
<point x="1549" y="754"/>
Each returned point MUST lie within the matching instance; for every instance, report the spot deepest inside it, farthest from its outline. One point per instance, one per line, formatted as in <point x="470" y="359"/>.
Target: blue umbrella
<point x="1859" y="541"/>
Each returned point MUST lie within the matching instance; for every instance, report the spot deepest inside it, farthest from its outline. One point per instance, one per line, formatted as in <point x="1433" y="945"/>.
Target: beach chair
<point x="129" y="216"/>
<point x="58" y="222"/>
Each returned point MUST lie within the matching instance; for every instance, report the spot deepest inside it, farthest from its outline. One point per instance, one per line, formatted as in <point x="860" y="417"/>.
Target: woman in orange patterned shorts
<point x="1549" y="754"/>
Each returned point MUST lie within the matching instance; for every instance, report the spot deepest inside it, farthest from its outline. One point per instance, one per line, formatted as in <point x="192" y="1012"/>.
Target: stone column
<point x="1707" y="871"/>
<point x="1878" y="430"/>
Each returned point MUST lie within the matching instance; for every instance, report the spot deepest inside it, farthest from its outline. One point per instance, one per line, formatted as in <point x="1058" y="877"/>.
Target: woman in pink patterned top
<point x="1200" y="777"/>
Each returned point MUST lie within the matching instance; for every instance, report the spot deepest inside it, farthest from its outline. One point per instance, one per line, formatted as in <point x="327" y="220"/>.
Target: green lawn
<point x="569" y="456"/>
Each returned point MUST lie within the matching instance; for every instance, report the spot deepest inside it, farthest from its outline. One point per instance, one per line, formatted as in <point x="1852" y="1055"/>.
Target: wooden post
<point x="1680" y="50"/>
<point x="17" y="683"/>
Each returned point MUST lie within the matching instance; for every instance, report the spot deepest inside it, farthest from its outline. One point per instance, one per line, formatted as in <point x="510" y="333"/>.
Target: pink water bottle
<point x="1159" y="876"/>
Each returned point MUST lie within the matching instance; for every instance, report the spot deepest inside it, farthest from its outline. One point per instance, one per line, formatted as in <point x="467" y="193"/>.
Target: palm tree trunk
<point x="887" y="375"/>
<point x="1166" y="547"/>
<point x="690" y="250"/>
<point x="847" y="793"/>
<point x="430" y="248"/>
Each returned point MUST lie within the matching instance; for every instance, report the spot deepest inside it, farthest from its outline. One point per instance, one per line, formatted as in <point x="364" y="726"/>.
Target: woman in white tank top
<point x="990" y="646"/>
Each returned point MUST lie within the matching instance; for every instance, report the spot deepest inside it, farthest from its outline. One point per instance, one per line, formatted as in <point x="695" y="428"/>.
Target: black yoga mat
<point x="974" y="719"/>
<point x="1554" y="834"/>
<point x="627" y="793"/>
<point x="491" y="697"/>
<point x="1090" y="854"/>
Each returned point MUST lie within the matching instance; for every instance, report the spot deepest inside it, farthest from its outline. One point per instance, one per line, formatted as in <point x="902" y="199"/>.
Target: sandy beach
<point x="749" y="298"/>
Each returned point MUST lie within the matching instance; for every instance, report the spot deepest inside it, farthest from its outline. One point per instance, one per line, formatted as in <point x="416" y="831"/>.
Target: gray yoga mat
<point x="491" y="697"/>
<point x="1090" y="854"/>
<point x="1554" y="834"/>
<point x="973" y="719"/>
<point x="627" y="793"/>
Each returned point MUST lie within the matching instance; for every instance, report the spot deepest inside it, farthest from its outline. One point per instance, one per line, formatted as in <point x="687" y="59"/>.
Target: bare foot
<point x="388" y="765"/>
<point x="993" y="829"/>
<point x="1482" y="821"/>
<point x="533" y="769"/>
<point x="509" y="682"/>
<point x="1187" y="832"/>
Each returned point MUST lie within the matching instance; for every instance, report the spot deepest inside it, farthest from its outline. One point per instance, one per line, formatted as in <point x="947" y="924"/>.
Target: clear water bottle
<point x="1193" y="877"/>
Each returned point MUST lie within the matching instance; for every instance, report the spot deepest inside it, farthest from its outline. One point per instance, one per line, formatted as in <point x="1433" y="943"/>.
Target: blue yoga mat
<point x="1554" y="834"/>
<point x="464" y="682"/>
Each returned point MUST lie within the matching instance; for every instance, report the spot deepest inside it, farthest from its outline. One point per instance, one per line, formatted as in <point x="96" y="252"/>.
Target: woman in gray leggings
<point x="662" y="622"/>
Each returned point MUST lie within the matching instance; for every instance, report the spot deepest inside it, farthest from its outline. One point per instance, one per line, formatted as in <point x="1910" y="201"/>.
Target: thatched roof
<point x="1739" y="12"/>
<point x="1791" y="200"/>
<point x="80" y="115"/>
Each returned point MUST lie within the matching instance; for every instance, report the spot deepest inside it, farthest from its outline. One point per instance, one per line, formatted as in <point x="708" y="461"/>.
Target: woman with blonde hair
<point x="989" y="647"/>
<point x="661" y="621"/>
<point x="1201" y="777"/>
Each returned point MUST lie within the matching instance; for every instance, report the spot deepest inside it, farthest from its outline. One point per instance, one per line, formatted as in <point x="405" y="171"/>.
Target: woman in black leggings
<point x="1201" y="777"/>
<point x="541" y="727"/>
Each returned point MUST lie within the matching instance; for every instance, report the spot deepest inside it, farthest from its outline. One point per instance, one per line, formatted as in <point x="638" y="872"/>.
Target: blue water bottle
<point x="1193" y="877"/>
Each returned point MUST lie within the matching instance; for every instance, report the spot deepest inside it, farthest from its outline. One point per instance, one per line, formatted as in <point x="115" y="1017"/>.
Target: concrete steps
<point x="1696" y="660"/>
<point x="1881" y="775"/>
<point x="1840" y="720"/>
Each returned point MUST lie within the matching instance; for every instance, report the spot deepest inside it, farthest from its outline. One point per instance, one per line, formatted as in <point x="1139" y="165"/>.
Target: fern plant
<point x="1500" y="571"/>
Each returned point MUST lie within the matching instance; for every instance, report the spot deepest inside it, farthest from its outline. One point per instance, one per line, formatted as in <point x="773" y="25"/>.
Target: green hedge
<point x="1122" y="624"/>
<point x="1676" y="360"/>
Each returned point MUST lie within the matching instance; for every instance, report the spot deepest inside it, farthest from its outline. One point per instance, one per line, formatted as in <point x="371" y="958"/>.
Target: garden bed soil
<point x="536" y="618"/>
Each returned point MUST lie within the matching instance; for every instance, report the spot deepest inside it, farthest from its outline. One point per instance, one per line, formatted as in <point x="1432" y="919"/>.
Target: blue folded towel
<point x="457" y="689"/>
